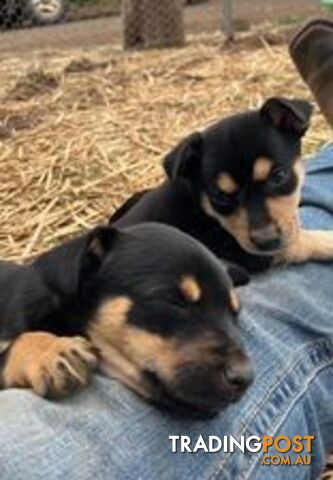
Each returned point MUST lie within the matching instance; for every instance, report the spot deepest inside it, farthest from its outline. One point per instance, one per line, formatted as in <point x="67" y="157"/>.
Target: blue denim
<point x="106" y="432"/>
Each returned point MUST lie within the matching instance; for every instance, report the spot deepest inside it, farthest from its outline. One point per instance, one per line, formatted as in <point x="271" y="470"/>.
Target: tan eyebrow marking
<point x="261" y="169"/>
<point x="190" y="288"/>
<point x="226" y="183"/>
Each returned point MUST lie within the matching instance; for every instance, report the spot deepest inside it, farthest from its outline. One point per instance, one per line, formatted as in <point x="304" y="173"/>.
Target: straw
<point x="80" y="131"/>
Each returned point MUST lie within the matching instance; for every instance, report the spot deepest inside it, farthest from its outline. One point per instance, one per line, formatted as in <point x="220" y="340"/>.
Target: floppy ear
<point x="289" y="115"/>
<point x="64" y="268"/>
<point x="184" y="159"/>
<point x="238" y="275"/>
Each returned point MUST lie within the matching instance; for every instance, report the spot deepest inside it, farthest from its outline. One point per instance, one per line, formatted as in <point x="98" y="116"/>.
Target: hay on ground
<point x="74" y="148"/>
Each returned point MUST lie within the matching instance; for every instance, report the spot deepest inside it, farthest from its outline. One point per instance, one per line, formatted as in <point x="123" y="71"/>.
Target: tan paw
<point x="52" y="366"/>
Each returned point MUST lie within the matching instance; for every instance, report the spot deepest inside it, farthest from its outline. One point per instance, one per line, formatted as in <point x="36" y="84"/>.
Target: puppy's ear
<point x="64" y="268"/>
<point x="238" y="275"/>
<point x="184" y="160"/>
<point x="288" y="115"/>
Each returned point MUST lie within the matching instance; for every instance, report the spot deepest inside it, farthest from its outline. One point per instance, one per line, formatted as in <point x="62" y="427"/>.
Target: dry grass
<point x="80" y="131"/>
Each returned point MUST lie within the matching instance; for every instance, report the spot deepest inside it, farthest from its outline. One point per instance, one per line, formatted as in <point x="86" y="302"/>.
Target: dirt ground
<point x="200" y="18"/>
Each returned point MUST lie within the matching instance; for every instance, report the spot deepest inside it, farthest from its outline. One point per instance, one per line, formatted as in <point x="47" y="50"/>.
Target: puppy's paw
<point x="316" y="245"/>
<point x="65" y="366"/>
<point x="52" y="366"/>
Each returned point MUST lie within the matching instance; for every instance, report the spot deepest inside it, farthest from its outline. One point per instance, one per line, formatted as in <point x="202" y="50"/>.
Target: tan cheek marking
<point x="143" y="350"/>
<point x="283" y="210"/>
<point x="236" y="224"/>
<point x="234" y="301"/>
<point x="305" y="245"/>
<point x="115" y="365"/>
<point x="226" y="183"/>
<point x="111" y="331"/>
<point x="110" y="324"/>
<point x="190" y="289"/>
<point x="113" y="313"/>
<point x="262" y="169"/>
<point x="150" y="350"/>
<point x="123" y="352"/>
<point x="126" y="350"/>
<point x="167" y="356"/>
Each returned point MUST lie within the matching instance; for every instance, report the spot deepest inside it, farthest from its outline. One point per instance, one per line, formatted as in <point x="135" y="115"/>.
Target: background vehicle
<point x="40" y="12"/>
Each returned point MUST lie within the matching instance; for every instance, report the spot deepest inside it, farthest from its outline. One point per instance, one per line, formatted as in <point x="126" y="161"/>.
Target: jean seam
<point x="257" y="408"/>
<point x="278" y="425"/>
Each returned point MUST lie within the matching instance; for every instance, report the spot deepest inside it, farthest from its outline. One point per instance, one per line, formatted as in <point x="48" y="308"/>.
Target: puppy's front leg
<point x="52" y="366"/>
<point x="309" y="245"/>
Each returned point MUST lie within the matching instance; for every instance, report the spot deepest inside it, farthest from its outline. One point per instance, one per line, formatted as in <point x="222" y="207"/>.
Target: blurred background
<point x="86" y="22"/>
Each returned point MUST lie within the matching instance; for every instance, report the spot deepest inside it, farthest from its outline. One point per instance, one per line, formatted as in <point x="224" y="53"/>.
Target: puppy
<point x="158" y="306"/>
<point x="236" y="188"/>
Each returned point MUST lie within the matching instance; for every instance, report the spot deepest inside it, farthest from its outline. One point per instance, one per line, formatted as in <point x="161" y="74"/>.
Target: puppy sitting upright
<point x="236" y="188"/>
<point x="158" y="306"/>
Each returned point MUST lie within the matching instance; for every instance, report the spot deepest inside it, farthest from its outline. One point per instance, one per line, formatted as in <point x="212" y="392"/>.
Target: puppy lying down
<point x="152" y="306"/>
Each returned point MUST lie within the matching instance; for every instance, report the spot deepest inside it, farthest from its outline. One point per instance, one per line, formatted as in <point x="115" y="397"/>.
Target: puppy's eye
<point x="224" y="200"/>
<point x="279" y="176"/>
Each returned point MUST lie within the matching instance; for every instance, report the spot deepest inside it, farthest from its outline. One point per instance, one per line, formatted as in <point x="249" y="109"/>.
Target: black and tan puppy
<point x="236" y="188"/>
<point x="157" y="305"/>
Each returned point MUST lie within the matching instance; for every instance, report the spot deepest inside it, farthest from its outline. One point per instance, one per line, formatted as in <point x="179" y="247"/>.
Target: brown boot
<point x="312" y="52"/>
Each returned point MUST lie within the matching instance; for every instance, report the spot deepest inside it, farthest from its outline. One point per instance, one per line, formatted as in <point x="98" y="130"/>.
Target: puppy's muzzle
<point x="267" y="239"/>
<point x="211" y="388"/>
<point x="239" y="375"/>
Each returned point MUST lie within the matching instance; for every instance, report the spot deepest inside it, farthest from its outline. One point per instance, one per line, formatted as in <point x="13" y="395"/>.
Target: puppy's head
<point x="247" y="174"/>
<point x="164" y="318"/>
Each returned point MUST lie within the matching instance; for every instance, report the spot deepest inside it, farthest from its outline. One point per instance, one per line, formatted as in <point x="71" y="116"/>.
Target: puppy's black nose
<point x="267" y="238"/>
<point x="239" y="375"/>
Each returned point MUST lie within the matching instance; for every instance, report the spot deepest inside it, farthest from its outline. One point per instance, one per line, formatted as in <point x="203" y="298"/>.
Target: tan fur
<point x="114" y="365"/>
<point x="4" y="345"/>
<point x="226" y="183"/>
<point x="149" y="350"/>
<point x="113" y="313"/>
<point x="308" y="245"/>
<point x="126" y="351"/>
<point x="48" y="364"/>
<point x="111" y="331"/>
<point x="283" y="211"/>
<point x="236" y="224"/>
<point x="190" y="289"/>
<point x="234" y="301"/>
<point x="301" y="245"/>
<point x="261" y="170"/>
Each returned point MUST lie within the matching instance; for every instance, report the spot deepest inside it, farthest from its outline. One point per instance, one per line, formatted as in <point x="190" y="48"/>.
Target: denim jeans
<point x="106" y="432"/>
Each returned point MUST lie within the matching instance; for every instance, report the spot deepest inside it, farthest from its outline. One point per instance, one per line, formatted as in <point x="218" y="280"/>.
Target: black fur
<point x="232" y="145"/>
<point x="63" y="289"/>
